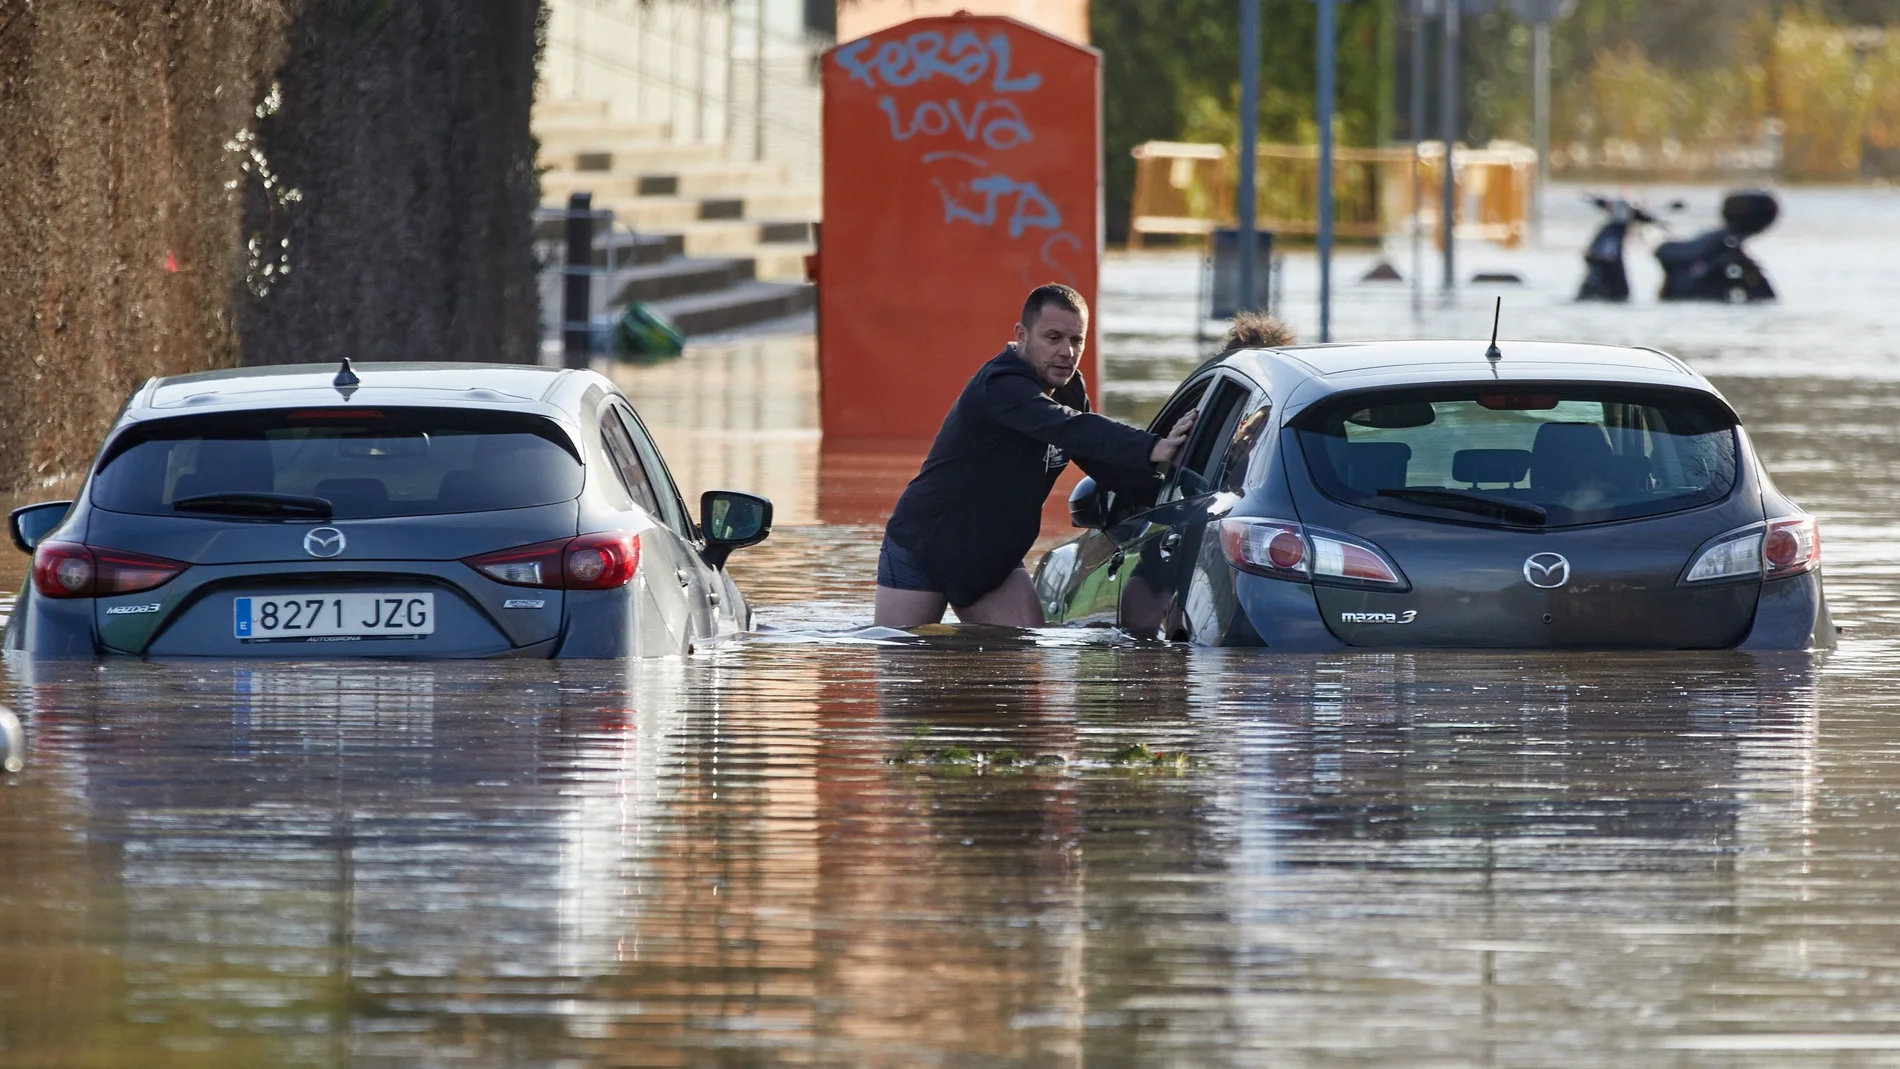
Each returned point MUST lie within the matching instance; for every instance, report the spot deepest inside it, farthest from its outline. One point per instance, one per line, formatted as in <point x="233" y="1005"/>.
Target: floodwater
<point x="996" y="849"/>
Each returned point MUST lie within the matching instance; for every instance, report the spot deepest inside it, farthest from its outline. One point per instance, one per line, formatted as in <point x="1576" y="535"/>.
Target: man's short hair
<point x="1257" y="330"/>
<point x="1064" y="297"/>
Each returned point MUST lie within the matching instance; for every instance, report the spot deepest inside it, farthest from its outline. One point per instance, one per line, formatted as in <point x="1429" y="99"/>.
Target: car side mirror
<point x="29" y="524"/>
<point x="1090" y="505"/>
<point x="731" y="520"/>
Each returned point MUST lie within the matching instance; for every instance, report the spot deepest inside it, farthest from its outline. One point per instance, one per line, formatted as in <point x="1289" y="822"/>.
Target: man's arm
<point x="1139" y="486"/>
<point x="1017" y="403"/>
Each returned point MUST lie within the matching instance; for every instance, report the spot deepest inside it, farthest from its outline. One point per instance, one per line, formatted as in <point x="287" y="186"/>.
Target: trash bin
<point x="1224" y="257"/>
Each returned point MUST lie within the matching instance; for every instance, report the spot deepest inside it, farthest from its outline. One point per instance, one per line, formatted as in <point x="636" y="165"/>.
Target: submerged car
<point x="410" y="510"/>
<point x="1421" y="494"/>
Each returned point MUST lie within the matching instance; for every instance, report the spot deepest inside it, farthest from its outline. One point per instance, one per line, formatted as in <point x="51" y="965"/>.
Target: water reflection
<point x="779" y="854"/>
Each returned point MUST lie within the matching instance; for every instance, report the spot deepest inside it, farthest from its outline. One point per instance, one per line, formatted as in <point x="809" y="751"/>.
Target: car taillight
<point x="1286" y="550"/>
<point x="1791" y="546"/>
<point x="589" y="562"/>
<point x="601" y="561"/>
<point x="1782" y="547"/>
<point x="532" y="565"/>
<point x="72" y="570"/>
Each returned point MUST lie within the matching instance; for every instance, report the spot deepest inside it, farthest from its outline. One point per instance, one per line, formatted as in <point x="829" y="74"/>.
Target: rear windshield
<point x="1527" y="456"/>
<point x="365" y="463"/>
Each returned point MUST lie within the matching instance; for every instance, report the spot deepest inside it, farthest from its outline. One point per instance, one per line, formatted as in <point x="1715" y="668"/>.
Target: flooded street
<point x="986" y="848"/>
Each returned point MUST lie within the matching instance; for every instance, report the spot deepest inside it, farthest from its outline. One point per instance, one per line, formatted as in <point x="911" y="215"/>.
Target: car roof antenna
<point x="346" y="376"/>
<point x="1492" y="354"/>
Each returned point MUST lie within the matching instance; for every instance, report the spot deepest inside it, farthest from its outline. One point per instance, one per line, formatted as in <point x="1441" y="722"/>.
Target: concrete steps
<point x="549" y="113"/>
<point x="716" y="244"/>
<point x="661" y="174"/>
<point x="631" y="156"/>
<point x="681" y="276"/>
<point x="779" y="263"/>
<point x="738" y="306"/>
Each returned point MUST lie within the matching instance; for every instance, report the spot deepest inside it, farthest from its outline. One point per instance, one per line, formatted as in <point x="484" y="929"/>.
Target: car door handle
<point x="685" y="577"/>
<point x="1169" y="543"/>
<point x="712" y="598"/>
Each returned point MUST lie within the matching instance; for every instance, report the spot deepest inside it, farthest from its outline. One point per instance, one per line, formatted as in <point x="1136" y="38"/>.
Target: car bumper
<point x="1283" y="615"/>
<point x="1792" y="615"/>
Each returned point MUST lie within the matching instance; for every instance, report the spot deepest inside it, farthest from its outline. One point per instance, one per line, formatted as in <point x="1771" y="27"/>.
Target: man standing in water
<point x="963" y="525"/>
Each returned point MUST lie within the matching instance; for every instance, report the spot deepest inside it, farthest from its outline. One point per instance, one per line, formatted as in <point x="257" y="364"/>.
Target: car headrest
<point x="1565" y="456"/>
<point x="1577" y="439"/>
<point x="1374" y="465"/>
<point x="1476" y="466"/>
<point x="234" y="464"/>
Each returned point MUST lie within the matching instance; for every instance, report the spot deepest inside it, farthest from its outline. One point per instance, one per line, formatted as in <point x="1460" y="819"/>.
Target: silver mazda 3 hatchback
<point x="393" y="510"/>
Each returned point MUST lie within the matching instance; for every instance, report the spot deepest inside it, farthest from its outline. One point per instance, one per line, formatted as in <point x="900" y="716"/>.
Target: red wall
<point x="962" y="169"/>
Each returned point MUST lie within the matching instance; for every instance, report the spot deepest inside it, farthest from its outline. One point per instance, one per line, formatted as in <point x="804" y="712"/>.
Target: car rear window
<point x="366" y="463"/>
<point x="1551" y="455"/>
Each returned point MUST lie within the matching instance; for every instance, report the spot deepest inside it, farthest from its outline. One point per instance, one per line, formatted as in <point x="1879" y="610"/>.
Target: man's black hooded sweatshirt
<point x="974" y="510"/>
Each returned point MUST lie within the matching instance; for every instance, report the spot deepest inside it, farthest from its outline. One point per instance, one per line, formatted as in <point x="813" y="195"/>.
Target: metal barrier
<point x="1188" y="189"/>
<point x="577" y="250"/>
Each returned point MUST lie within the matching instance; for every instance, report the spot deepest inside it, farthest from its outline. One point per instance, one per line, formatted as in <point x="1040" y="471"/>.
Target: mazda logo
<point x="323" y="542"/>
<point x="1546" y="571"/>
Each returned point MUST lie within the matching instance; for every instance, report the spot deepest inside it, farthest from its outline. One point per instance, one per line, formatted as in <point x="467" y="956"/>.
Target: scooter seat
<point x="1691" y="250"/>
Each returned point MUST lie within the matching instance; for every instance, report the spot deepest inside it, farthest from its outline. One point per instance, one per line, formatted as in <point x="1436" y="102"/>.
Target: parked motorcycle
<point x="1711" y="266"/>
<point x="1604" y="278"/>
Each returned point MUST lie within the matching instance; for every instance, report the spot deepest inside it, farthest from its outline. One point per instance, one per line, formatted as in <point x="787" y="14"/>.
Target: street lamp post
<point x="1540" y="14"/>
<point x="1448" y="118"/>
<point x="1328" y="48"/>
<point x="1421" y="10"/>
<point x="1246" y="248"/>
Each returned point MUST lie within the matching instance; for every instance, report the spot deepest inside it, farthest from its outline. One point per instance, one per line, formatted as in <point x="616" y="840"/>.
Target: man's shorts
<point x="898" y="569"/>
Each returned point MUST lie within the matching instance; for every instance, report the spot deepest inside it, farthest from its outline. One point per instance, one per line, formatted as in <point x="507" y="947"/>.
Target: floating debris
<point x="1138" y="755"/>
<point x="963" y="760"/>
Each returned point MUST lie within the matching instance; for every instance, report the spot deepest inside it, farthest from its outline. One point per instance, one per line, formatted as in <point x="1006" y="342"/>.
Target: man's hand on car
<point x="1168" y="448"/>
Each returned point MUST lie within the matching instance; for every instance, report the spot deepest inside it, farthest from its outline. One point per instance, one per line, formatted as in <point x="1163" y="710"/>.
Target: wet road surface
<point x="996" y="849"/>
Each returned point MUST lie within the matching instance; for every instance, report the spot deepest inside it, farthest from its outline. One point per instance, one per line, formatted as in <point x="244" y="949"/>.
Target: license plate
<point x="335" y="617"/>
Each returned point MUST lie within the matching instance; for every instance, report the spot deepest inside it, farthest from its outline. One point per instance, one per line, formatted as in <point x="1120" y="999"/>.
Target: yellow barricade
<point x="1184" y="188"/>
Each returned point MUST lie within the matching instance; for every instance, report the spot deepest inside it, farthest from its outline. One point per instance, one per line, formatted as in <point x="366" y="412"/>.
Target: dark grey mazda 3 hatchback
<point x="407" y="510"/>
<point x="1419" y="494"/>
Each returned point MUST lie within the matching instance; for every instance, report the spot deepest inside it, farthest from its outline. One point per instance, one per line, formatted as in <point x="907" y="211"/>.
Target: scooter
<point x="1604" y="278"/>
<point x="1712" y="266"/>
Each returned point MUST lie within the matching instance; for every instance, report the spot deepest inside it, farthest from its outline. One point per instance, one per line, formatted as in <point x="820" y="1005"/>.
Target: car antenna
<point x="1492" y="354"/>
<point x="346" y="376"/>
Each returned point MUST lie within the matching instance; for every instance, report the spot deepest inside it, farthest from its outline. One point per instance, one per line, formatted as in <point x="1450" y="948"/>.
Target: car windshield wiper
<point x="250" y="503"/>
<point x="1466" y="501"/>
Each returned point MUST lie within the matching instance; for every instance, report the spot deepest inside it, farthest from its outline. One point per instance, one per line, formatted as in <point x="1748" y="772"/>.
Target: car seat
<point x="1373" y="466"/>
<point x="1474" y="466"/>
<point x="228" y="465"/>
<point x="1568" y="457"/>
<point x="510" y="471"/>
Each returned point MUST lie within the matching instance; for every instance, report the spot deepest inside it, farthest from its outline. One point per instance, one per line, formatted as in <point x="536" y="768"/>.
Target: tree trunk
<point x="404" y="127"/>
